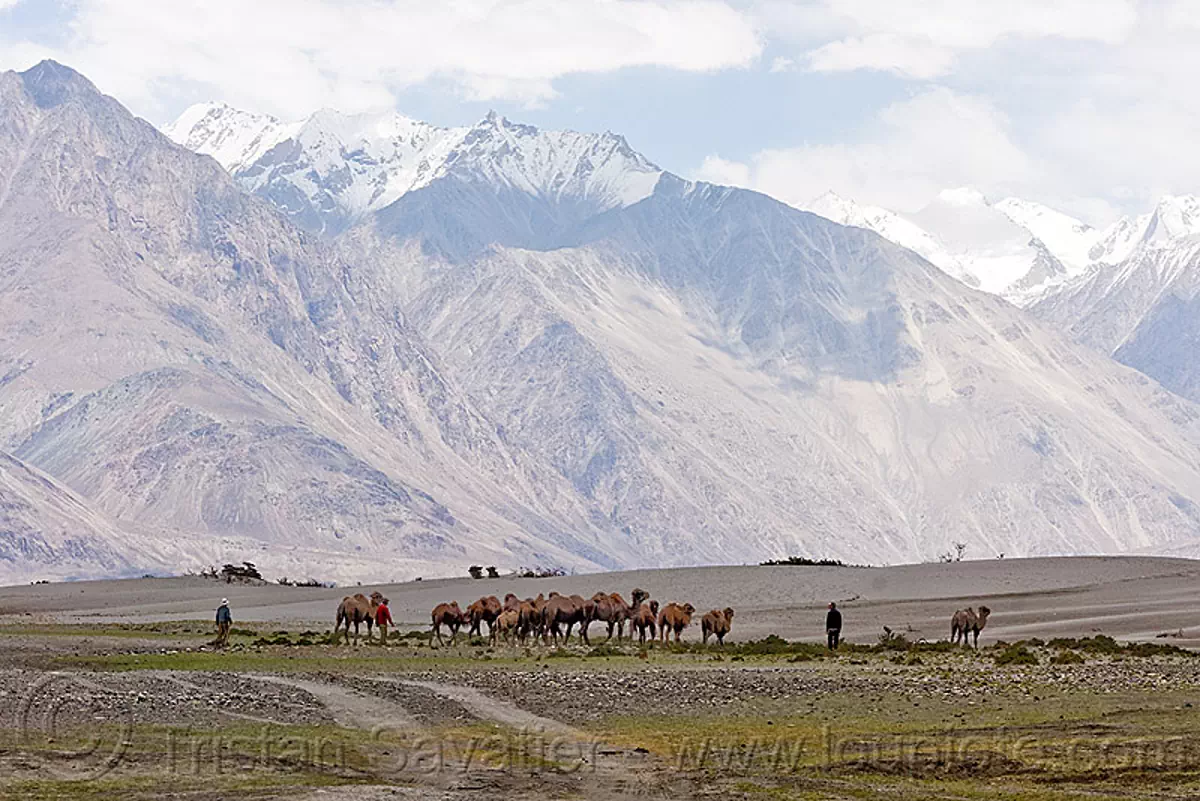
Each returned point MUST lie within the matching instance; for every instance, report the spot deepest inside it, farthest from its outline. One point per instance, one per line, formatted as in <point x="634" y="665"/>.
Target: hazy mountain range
<point x="1128" y="290"/>
<point x="367" y="347"/>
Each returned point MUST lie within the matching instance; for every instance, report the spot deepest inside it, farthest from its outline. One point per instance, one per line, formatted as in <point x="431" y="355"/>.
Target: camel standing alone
<point x="717" y="623"/>
<point x="967" y="622"/>
<point x="356" y="609"/>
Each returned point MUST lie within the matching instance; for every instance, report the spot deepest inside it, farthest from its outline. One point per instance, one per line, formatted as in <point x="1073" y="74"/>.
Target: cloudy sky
<point x="1088" y="105"/>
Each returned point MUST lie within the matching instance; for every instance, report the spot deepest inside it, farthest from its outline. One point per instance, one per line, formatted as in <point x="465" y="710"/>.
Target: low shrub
<point x="802" y="561"/>
<point x="1016" y="655"/>
<point x="604" y="651"/>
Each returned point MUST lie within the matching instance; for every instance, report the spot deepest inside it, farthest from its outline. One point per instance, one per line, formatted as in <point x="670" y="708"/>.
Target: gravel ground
<point x="152" y="697"/>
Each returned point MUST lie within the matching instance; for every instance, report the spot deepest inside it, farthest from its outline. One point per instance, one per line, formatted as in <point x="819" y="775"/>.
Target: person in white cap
<point x="224" y="623"/>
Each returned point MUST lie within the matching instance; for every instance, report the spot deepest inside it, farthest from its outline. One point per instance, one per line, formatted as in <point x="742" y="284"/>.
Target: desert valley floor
<point x="1083" y="687"/>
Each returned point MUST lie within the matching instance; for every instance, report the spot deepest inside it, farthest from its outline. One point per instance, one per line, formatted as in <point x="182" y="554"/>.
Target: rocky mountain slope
<point x="542" y="350"/>
<point x="1143" y="310"/>
<point x="181" y="356"/>
<point x="726" y="375"/>
<point x="48" y="531"/>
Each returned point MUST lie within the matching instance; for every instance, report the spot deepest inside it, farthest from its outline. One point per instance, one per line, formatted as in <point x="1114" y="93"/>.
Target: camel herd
<point x="552" y="618"/>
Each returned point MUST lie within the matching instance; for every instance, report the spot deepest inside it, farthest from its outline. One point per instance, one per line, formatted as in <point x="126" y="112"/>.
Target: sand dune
<point x="1126" y="597"/>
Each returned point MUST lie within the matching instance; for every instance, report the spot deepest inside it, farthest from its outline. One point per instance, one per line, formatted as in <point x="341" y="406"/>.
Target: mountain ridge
<point x="331" y="170"/>
<point x="518" y="362"/>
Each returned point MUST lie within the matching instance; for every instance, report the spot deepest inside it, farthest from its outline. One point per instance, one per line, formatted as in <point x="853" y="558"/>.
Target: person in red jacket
<point x="383" y="619"/>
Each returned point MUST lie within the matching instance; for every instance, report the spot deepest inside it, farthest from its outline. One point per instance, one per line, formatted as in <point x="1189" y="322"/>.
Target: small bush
<point x="1067" y="658"/>
<point x="416" y="635"/>
<point x="802" y="561"/>
<point x="893" y="640"/>
<point x="1016" y="655"/>
<point x="1148" y="649"/>
<point x="604" y="651"/>
<point x="560" y="653"/>
<point x="1100" y="644"/>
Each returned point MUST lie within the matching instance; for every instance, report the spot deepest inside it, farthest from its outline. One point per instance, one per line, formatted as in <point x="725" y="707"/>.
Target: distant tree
<point x="246" y="570"/>
<point x="492" y="572"/>
<point x="476" y="571"/>
<point x="960" y="548"/>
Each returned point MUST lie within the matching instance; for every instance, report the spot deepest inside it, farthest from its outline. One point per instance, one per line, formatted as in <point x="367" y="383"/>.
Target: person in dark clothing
<point x="833" y="626"/>
<point x="224" y="623"/>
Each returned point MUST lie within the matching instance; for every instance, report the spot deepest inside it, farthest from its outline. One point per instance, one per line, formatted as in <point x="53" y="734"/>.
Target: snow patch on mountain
<point x="1020" y="249"/>
<point x="1173" y="218"/>
<point x="233" y="137"/>
<point x="1000" y="248"/>
<point x="892" y="226"/>
<point x="331" y="169"/>
<point x="1069" y="239"/>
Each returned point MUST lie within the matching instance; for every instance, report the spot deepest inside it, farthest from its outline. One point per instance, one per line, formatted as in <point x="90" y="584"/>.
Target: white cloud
<point x="717" y="170"/>
<point x="922" y="38"/>
<point x="886" y="52"/>
<point x="292" y="56"/>
<point x="913" y="149"/>
<point x="1086" y="105"/>
<point x="782" y="64"/>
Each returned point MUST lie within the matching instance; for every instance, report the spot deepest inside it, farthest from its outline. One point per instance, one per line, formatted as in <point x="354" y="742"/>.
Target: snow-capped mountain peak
<point x="1018" y="248"/>
<point x="1069" y="239"/>
<point x="892" y="226"/>
<point x="1174" y="217"/>
<point x="331" y="169"/>
<point x="233" y="137"/>
<point x="1000" y="248"/>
